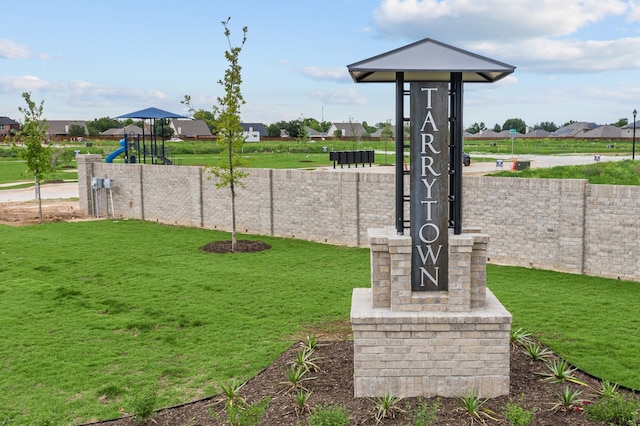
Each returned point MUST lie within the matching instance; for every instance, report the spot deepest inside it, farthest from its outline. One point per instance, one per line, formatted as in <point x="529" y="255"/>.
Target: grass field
<point x="94" y="314"/>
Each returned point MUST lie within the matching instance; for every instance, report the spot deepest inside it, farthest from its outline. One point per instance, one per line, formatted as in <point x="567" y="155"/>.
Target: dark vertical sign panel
<point x="429" y="185"/>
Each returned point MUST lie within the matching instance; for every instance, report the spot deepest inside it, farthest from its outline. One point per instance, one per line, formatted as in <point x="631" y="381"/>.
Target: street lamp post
<point x="633" y="149"/>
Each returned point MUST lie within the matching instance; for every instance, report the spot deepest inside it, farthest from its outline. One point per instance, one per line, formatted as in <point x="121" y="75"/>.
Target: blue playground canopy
<point x="151" y="113"/>
<point x="157" y="153"/>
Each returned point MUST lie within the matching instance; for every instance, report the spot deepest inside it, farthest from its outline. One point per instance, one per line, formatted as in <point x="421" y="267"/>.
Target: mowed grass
<point x="95" y="313"/>
<point x="591" y="322"/>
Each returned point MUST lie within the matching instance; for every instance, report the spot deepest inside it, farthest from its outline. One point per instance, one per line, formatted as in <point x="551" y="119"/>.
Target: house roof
<point x="190" y="128"/>
<point x="429" y="60"/>
<point x="8" y="121"/>
<point x="61" y="127"/>
<point x="573" y="129"/>
<point x="537" y="133"/>
<point x="606" y="131"/>
<point x="117" y="131"/>
<point x="484" y="134"/>
<point x="257" y="127"/>
<point x="348" y="129"/>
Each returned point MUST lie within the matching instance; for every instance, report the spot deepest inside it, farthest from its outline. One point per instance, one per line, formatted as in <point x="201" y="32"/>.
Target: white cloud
<point x="13" y="50"/>
<point x="340" y="97"/>
<point x="538" y="35"/>
<point x="491" y="19"/>
<point x="333" y="74"/>
<point x="25" y="83"/>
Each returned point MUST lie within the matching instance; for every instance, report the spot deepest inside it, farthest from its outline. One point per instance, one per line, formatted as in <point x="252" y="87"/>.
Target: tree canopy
<point x="515" y="123"/>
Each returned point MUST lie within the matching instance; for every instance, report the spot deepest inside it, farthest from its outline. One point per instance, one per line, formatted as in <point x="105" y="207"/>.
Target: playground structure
<point x="142" y="148"/>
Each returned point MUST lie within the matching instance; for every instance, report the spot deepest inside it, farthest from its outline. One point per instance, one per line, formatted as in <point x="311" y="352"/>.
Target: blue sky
<point x="576" y="60"/>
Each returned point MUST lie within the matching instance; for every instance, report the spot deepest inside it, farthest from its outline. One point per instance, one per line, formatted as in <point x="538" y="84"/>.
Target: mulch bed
<point x="242" y="246"/>
<point x="334" y="386"/>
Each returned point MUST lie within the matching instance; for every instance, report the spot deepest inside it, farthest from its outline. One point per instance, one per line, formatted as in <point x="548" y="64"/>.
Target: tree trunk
<point x="39" y="199"/>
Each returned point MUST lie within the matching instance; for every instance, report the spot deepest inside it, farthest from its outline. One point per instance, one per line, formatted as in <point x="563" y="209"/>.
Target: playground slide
<point x="114" y="154"/>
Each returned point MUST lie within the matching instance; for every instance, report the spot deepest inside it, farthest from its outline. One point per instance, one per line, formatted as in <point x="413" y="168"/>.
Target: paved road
<point x="49" y="191"/>
<point x="70" y="190"/>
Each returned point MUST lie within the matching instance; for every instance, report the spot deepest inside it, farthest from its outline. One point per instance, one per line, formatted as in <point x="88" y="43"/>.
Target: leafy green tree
<point x="476" y="128"/>
<point x="76" y="131"/>
<point x="230" y="131"/>
<point x="621" y="122"/>
<point x="549" y="126"/>
<point x="209" y="117"/>
<point x="163" y="128"/>
<point x="515" y="123"/>
<point x="32" y="133"/>
<point x="369" y="129"/>
<point x="273" y="130"/>
<point x="569" y="123"/>
<point x="497" y="128"/>
<point x="99" y="125"/>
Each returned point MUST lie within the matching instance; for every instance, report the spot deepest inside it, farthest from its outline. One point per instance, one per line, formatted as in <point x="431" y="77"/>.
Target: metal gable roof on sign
<point x="428" y="60"/>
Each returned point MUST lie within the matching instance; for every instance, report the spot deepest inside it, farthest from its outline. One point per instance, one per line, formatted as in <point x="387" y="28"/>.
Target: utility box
<point x="108" y="183"/>
<point x="97" y="183"/>
<point x="523" y="164"/>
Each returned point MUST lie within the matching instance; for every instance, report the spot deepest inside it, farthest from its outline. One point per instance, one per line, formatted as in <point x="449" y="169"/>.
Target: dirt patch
<point x="242" y="246"/>
<point x="26" y="213"/>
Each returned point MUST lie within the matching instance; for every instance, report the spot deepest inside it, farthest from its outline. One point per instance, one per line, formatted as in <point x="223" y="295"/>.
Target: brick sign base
<point x="429" y="343"/>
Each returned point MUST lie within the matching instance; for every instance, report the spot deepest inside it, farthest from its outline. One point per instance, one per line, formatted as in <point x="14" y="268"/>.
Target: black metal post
<point x="633" y="150"/>
<point x="400" y="153"/>
<point x="455" y="152"/>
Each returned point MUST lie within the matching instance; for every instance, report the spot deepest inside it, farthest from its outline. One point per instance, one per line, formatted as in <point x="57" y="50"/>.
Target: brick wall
<point x="563" y="225"/>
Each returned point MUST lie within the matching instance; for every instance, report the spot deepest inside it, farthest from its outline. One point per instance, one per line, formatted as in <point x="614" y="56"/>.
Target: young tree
<point x="32" y="133"/>
<point x="230" y="134"/>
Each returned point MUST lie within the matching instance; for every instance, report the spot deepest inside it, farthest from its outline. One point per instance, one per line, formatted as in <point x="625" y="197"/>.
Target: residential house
<point x="537" y="134"/>
<point x="347" y="130"/>
<point x="254" y="131"/>
<point x="59" y="129"/>
<point x="575" y="130"/>
<point x="484" y="134"/>
<point x="628" y="130"/>
<point x="8" y="126"/>
<point x="131" y="129"/>
<point x="190" y="128"/>
<point x="378" y="133"/>
<point x="604" y="132"/>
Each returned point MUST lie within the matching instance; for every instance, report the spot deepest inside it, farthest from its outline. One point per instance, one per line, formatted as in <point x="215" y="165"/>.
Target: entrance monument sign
<point x="428" y="325"/>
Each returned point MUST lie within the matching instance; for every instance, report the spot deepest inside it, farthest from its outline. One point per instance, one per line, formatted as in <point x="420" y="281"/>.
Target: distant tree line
<point x="521" y="126"/>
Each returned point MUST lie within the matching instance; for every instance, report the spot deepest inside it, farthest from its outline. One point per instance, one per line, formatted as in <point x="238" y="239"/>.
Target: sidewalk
<point x="48" y="191"/>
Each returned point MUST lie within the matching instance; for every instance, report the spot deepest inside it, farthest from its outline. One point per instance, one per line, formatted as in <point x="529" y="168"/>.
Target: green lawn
<point x="95" y="313"/>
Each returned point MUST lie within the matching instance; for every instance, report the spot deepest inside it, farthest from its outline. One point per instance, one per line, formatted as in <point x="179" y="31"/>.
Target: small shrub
<point x="423" y="414"/>
<point x="296" y="377"/>
<point x="387" y="406"/>
<point x="243" y="414"/>
<point x="608" y="388"/>
<point x="569" y="399"/>
<point x="560" y="371"/>
<point x="306" y="360"/>
<point x="302" y="401"/>
<point x="231" y="392"/>
<point x="516" y="414"/>
<point x="310" y="343"/>
<point x="472" y="405"/>
<point x="615" y="409"/>
<point x="328" y="415"/>
<point x="535" y="351"/>
<point x="519" y="336"/>
<point x="141" y="405"/>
